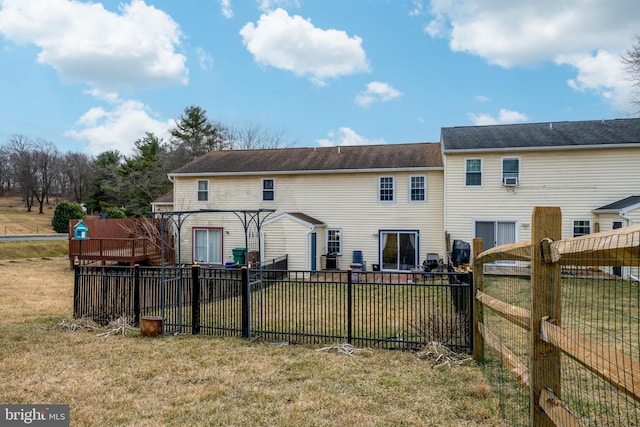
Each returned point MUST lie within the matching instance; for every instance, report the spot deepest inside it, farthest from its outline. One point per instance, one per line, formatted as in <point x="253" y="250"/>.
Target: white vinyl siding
<point x="345" y="201"/>
<point x="577" y="181"/>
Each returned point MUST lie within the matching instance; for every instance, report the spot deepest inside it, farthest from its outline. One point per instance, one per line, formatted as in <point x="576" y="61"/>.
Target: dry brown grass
<point x="120" y="380"/>
<point x="15" y="220"/>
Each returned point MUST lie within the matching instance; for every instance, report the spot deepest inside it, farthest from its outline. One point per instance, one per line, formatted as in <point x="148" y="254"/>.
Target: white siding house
<point x="395" y="204"/>
<point x="496" y="175"/>
<point x="383" y="201"/>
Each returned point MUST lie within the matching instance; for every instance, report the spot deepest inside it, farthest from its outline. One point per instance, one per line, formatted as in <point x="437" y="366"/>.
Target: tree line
<point x="41" y="174"/>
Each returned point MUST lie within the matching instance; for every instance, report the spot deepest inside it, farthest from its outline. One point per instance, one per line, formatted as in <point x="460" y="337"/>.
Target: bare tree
<point x="632" y="62"/>
<point x="47" y="164"/>
<point x="23" y="166"/>
<point x="77" y="172"/>
<point x="252" y="136"/>
<point x="5" y="177"/>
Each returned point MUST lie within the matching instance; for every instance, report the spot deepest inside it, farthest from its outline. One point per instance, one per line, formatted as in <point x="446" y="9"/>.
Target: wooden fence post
<point x="544" y="362"/>
<point x="478" y="308"/>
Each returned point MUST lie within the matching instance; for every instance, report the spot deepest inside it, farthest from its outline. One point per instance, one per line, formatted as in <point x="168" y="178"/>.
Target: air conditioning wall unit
<point x="510" y="181"/>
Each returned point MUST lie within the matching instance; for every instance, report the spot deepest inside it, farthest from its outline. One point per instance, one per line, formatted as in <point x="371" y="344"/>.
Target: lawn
<point x="119" y="380"/>
<point x="15" y="220"/>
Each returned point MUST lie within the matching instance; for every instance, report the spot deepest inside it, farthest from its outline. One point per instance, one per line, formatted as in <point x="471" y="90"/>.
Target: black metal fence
<point x="376" y="309"/>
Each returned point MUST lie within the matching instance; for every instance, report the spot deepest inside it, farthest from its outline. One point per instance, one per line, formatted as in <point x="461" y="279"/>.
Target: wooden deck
<point x="131" y="251"/>
<point x="112" y="241"/>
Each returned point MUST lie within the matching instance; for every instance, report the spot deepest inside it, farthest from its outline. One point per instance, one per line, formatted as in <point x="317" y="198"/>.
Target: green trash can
<point x="238" y="255"/>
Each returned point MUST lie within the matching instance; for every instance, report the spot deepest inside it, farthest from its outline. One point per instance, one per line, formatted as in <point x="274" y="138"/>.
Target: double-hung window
<point x="268" y="190"/>
<point x="386" y="189"/>
<point x="417" y="188"/>
<point x="334" y="241"/>
<point x="511" y="171"/>
<point x="581" y="227"/>
<point x="203" y="190"/>
<point x="473" y="172"/>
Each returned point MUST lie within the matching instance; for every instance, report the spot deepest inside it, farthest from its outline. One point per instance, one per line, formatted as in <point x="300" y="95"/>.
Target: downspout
<point x="623" y="215"/>
<point x="307" y="257"/>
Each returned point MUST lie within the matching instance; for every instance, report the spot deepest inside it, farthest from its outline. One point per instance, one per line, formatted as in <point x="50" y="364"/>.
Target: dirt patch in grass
<point x="199" y="380"/>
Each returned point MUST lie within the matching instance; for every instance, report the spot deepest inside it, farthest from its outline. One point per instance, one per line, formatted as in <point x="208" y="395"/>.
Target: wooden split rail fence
<point x="611" y="359"/>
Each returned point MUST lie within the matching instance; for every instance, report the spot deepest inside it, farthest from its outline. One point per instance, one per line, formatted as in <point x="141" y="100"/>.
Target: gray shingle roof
<point x="344" y="158"/>
<point x="619" y="205"/>
<point x="306" y="218"/>
<point x="542" y="135"/>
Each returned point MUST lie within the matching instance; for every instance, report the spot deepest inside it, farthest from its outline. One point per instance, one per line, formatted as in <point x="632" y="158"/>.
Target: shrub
<point x="114" y="212"/>
<point x="64" y="212"/>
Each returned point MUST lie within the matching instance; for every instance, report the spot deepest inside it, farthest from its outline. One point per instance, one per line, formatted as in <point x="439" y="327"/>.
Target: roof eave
<point x="554" y="148"/>
<point x="623" y="211"/>
<point x="307" y="172"/>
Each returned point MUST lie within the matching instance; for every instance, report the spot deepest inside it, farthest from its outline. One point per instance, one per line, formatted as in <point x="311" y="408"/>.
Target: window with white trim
<point x="207" y="245"/>
<point x="581" y="227"/>
<point x="473" y="172"/>
<point x="334" y="241"/>
<point x="386" y="189"/>
<point x="268" y="190"/>
<point x="417" y="188"/>
<point x="203" y="190"/>
<point x="511" y="170"/>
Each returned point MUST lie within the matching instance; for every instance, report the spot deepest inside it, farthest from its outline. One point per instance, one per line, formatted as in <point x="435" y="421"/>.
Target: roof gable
<point x="579" y="134"/>
<point x="298" y="217"/>
<point x="319" y="159"/>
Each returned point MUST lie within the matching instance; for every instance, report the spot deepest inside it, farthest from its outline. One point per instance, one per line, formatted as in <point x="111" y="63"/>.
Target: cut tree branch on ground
<point x="344" y="348"/>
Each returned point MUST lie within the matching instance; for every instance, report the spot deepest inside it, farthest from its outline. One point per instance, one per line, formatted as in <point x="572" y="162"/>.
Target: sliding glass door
<point x="398" y="249"/>
<point x="207" y="245"/>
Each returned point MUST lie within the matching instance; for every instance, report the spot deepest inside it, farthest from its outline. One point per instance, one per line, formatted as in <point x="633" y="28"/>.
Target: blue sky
<point x="92" y="76"/>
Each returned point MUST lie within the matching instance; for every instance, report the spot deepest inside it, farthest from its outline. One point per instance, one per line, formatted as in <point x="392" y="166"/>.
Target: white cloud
<point x="418" y="8"/>
<point x="204" y="58"/>
<point x="347" y="136"/>
<point x="86" y="43"/>
<point x="504" y="117"/>
<point x="482" y="98"/>
<point x="377" y="92"/>
<point x="118" y="129"/>
<point x="292" y="43"/>
<point x="602" y="73"/>
<point x="225" y="7"/>
<point x="269" y="5"/>
<point x="589" y="36"/>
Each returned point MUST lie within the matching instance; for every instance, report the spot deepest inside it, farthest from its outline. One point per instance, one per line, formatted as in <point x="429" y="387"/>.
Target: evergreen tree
<point x="195" y="135"/>
<point x="104" y="187"/>
<point x="144" y="175"/>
